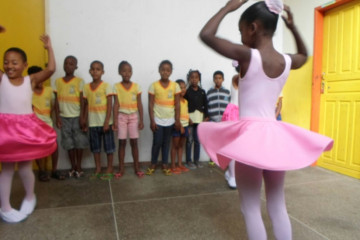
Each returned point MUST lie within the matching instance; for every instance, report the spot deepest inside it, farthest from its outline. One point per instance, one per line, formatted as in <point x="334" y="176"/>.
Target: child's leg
<point x="156" y="145"/>
<point x="110" y="157"/>
<point x="189" y="142"/>
<point x="121" y="154"/>
<point x="174" y="151"/>
<point x="54" y="160"/>
<point x="166" y="145"/>
<point x="79" y="153"/>
<point x="71" y="154"/>
<point x="6" y="177"/>
<point x="232" y="168"/>
<point x="249" y="181"/>
<point x="180" y="150"/>
<point x="109" y="145"/>
<point x="196" y="144"/>
<point x="275" y="201"/>
<point x="97" y="162"/>
<point x="28" y="178"/>
<point x="135" y="154"/>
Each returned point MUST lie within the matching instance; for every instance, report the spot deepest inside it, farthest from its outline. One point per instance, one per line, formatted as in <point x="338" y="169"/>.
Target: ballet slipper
<point x="27" y="207"/>
<point x="12" y="216"/>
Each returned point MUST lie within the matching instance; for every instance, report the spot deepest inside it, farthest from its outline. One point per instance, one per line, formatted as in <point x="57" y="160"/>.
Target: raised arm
<point x="2" y="30"/>
<point x="300" y="57"/>
<point x="51" y="66"/>
<point x="222" y="46"/>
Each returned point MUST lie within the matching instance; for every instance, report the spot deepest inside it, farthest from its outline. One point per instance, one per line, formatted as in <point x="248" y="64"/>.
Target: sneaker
<point x="230" y="180"/>
<point x="27" y="207"/>
<point x="199" y="165"/>
<point x="12" y="216"/>
<point x="190" y="165"/>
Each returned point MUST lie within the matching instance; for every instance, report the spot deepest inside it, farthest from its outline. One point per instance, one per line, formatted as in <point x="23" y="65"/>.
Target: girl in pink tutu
<point x="24" y="137"/>
<point x="262" y="147"/>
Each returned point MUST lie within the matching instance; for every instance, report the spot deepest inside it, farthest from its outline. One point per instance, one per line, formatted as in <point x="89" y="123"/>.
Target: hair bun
<point x="275" y="6"/>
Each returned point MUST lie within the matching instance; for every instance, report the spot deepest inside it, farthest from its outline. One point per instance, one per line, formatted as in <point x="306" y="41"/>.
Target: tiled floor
<point x="194" y="205"/>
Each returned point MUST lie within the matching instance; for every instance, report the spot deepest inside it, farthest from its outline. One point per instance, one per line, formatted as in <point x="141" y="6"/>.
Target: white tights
<point x="249" y="181"/>
<point x="28" y="179"/>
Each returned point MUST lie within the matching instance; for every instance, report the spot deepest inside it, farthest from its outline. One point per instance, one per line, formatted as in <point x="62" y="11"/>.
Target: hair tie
<point x="275" y="6"/>
<point x="235" y="63"/>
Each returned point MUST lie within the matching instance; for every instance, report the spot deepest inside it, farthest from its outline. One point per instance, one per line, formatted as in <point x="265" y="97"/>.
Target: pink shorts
<point x="128" y="123"/>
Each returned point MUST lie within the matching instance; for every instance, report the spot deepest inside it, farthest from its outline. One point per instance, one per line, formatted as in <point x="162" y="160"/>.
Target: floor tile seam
<point x="309" y="227"/>
<point x="113" y="211"/>
<point x="74" y="206"/>
<point x="175" y="197"/>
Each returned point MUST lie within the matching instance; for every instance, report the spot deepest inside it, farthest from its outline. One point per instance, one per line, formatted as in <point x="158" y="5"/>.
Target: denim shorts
<point x="71" y="135"/>
<point x="97" y="134"/>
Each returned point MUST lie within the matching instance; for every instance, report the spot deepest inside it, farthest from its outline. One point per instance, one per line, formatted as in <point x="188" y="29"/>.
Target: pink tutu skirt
<point x="25" y="138"/>
<point x="262" y="143"/>
<point x="231" y="113"/>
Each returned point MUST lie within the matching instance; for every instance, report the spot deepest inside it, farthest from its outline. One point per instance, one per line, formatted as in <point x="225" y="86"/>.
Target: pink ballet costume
<point x="24" y="138"/>
<point x="262" y="147"/>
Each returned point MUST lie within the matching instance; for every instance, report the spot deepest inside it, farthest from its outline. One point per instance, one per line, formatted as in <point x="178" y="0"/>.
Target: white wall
<point x="143" y="32"/>
<point x="303" y="12"/>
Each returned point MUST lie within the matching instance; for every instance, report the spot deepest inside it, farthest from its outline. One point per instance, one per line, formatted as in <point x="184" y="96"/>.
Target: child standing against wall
<point x="97" y="113"/>
<point x="164" y="111"/>
<point x="179" y="137"/>
<point x="128" y="116"/>
<point x="24" y="136"/>
<point x="43" y="105"/>
<point x="218" y="98"/>
<point x="198" y="112"/>
<point x="68" y="105"/>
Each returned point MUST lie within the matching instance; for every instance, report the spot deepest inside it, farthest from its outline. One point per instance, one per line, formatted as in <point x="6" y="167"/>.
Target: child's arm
<point x="116" y="112"/>
<point x="140" y="109"/>
<point x="84" y="112"/>
<point x="206" y="111"/>
<point x="278" y="107"/>
<point x="151" y="112"/>
<point x="41" y="76"/>
<point x="177" y="112"/>
<point x="2" y="30"/>
<point x="57" y="112"/>
<point x="108" y="112"/>
<point x="222" y="46"/>
<point x="300" y="57"/>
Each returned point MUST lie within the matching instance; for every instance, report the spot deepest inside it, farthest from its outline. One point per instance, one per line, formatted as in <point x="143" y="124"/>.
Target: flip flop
<point x="107" y="176"/>
<point x="150" y="171"/>
<point x="140" y="174"/>
<point x="118" y="175"/>
<point x="57" y="175"/>
<point x="167" y="172"/>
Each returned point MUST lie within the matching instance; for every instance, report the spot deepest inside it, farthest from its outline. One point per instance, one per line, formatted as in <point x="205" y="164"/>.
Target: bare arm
<point x="300" y="57"/>
<point x="108" y="112"/>
<point x="116" y="112"/>
<point x="140" y="109"/>
<point x="84" y="111"/>
<point x="151" y="112"/>
<point x="177" y="112"/>
<point x="2" y="30"/>
<point x="51" y="66"/>
<point x="57" y="112"/>
<point x="222" y="46"/>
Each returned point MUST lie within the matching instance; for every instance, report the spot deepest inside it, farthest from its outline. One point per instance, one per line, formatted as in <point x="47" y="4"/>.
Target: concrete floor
<point x="193" y="205"/>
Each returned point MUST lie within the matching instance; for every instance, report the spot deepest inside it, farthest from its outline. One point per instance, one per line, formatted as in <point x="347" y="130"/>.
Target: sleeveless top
<point x="15" y="99"/>
<point x="259" y="93"/>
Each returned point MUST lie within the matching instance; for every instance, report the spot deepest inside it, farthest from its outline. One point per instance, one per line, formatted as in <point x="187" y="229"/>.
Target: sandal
<point x="57" y="175"/>
<point x="150" y="171"/>
<point x="140" y="174"/>
<point x="107" y="176"/>
<point x="175" y="170"/>
<point x="167" y="172"/>
<point x="79" y="174"/>
<point x="118" y="175"/>
<point x="95" y="176"/>
<point x="184" y="169"/>
<point x="72" y="173"/>
<point x="43" y="176"/>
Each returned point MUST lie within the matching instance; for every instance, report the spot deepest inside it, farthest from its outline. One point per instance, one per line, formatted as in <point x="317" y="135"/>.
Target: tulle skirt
<point x="231" y="113"/>
<point x="262" y="143"/>
<point x="25" y="138"/>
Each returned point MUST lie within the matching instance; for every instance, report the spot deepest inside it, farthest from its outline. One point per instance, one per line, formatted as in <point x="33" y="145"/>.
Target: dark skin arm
<point x="140" y="109"/>
<point x="57" y="112"/>
<point x="177" y="112"/>
<point x="151" y="112"/>
<point x="116" y="112"/>
<point x="2" y="30"/>
<point x="84" y="114"/>
<point x="108" y="113"/>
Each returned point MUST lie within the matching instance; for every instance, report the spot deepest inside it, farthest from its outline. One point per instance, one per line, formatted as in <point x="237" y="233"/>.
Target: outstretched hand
<point x="46" y="40"/>
<point x="2" y="29"/>
<point x="233" y="5"/>
<point x="289" y="20"/>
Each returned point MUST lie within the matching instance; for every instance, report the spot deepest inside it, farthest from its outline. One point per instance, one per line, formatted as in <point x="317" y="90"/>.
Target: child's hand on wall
<point x="2" y="29"/>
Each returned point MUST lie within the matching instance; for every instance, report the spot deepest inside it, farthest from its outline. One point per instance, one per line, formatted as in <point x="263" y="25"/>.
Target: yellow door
<point x="340" y="100"/>
<point x="24" y="21"/>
